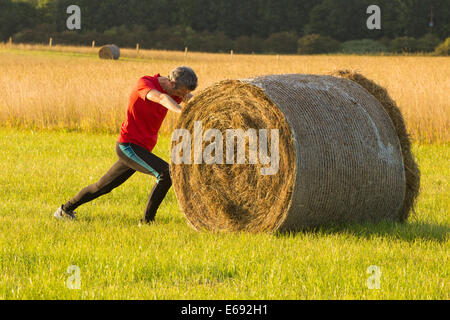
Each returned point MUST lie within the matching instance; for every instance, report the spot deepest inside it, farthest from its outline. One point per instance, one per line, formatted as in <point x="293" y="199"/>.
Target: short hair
<point x="184" y="77"/>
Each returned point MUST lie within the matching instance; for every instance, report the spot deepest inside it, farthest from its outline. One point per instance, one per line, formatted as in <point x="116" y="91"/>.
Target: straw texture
<point x="412" y="172"/>
<point x="340" y="158"/>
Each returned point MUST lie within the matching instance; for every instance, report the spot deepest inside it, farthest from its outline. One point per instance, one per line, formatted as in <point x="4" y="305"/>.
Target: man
<point x="149" y="102"/>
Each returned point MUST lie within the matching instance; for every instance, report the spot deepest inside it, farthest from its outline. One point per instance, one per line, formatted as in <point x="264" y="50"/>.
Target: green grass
<point x="118" y="260"/>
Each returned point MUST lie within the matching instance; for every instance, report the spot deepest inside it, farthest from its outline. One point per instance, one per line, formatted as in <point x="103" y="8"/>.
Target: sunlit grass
<point x="69" y="87"/>
<point x="119" y="260"/>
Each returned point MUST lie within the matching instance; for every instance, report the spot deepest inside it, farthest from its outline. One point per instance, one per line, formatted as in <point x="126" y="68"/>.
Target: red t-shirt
<point x="144" y="117"/>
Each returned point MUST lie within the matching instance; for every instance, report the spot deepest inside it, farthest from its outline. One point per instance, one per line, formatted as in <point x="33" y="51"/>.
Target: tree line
<point x="279" y="26"/>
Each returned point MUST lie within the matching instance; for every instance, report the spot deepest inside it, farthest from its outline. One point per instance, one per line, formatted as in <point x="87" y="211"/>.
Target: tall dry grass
<point x="69" y="87"/>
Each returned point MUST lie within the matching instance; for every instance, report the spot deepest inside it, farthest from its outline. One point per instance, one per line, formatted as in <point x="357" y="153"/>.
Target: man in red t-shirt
<point x="149" y="102"/>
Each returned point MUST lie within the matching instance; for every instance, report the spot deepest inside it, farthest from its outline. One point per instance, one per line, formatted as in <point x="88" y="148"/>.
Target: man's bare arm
<point x="187" y="97"/>
<point x="163" y="99"/>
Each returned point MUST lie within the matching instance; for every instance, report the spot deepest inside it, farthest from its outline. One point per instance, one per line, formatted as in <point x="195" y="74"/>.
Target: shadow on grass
<point x="409" y="231"/>
<point x="110" y="219"/>
<point x="124" y="219"/>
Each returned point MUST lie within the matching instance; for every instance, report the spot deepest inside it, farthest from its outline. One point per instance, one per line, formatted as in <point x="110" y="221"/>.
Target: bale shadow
<point x="407" y="231"/>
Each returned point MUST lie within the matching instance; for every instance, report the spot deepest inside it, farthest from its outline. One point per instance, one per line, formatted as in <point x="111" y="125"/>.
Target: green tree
<point x="363" y="46"/>
<point x="403" y="44"/>
<point x="427" y="43"/>
<point x="248" y="44"/>
<point x="281" y="42"/>
<point x="443" y="49"/>
<point x="315" y="43"/>
<point x="342" y="20"/>
<point x="16" y="16"/>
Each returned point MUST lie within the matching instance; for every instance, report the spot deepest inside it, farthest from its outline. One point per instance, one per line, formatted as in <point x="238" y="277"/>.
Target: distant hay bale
<point x="109" y="51"/>
<point x="340" y="157"/>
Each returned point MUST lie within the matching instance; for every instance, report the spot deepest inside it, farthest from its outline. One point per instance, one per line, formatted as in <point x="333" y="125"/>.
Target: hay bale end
<point x="109" y="51"/>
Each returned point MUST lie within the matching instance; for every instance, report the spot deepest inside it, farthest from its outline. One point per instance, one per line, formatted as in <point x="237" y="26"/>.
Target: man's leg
<point x="144" y="161"/>
<point x="115" y="176"/>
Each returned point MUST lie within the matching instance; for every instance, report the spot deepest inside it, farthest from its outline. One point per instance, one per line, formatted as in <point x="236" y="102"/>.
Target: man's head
<point x="182" y="81"/>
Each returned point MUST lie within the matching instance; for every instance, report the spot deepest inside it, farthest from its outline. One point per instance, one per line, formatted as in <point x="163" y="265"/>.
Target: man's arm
<point x="187" y="97"/>
<point x="164" y="100"/>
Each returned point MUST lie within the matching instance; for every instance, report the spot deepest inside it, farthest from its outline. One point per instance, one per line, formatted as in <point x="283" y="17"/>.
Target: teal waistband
<point x="128" y="151"/>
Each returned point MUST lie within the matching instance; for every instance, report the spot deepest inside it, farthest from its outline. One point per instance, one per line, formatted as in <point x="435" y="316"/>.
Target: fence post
<point x="93" y="43"/>
<point x="137" y="48"/>
<point x="10" y="41"/>
<point x="50" y="42"/>
<point x="185" y="52"/>
<point x="231" y="54"/>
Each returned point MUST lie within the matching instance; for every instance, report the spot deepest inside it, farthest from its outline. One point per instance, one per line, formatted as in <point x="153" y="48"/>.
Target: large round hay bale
<point x="109" y="51"/>
<point x="340" y="157"/>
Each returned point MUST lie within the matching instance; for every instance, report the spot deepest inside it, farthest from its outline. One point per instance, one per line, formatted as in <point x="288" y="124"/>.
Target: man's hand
<point x="187" y="97"/>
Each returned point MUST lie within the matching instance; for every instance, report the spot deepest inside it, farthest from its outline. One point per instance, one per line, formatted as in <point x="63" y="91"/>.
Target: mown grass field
<point x="59" y="113"/>
<point x="168" y="260"/>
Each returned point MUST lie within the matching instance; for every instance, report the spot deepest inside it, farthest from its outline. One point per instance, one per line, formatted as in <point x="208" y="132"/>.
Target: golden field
<point x="70" y="88"/>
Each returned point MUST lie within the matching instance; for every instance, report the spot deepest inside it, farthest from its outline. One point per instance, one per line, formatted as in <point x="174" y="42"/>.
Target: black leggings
<point x="132" y="158"/>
